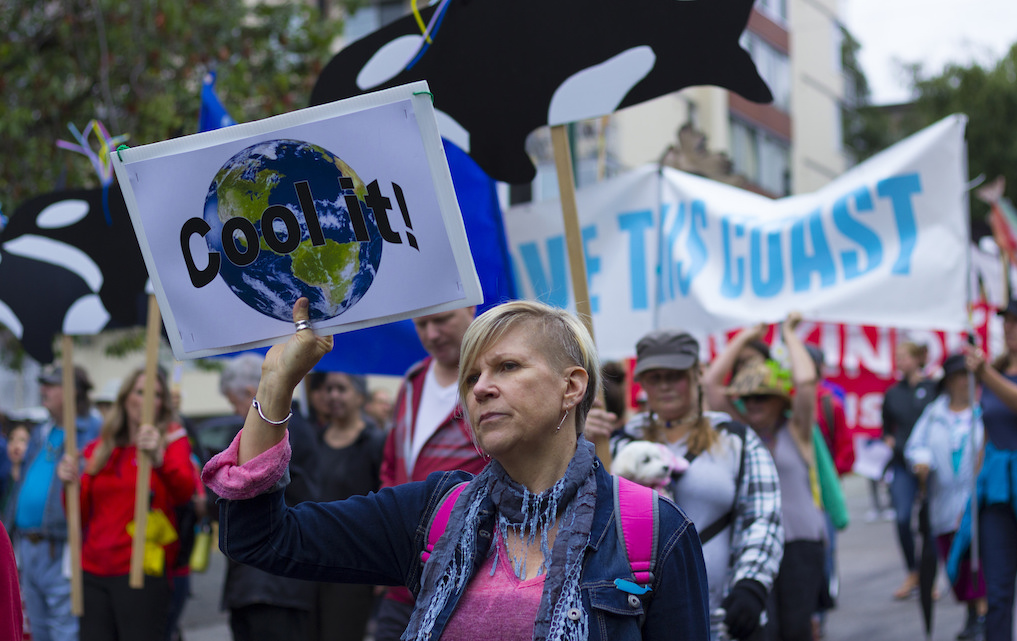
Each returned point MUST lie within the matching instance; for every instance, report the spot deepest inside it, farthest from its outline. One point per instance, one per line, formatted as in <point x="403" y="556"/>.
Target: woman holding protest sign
<point x="728" y="485"/>
<point x="761" y="397"/>
<point x="113" y="609"/>
<point x="533" y="548"/>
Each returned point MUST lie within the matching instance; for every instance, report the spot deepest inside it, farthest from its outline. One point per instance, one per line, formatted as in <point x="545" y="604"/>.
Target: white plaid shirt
<point x="757" y="537"/>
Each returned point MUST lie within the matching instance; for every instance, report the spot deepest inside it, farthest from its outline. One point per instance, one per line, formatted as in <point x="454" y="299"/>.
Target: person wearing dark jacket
<point x="532" y="549"/>
<point x="263" y="606"/>
<point x="903" y="404"/>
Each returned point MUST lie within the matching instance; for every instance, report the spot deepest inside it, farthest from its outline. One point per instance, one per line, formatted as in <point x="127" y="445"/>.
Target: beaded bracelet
<point x="257" y="406"/>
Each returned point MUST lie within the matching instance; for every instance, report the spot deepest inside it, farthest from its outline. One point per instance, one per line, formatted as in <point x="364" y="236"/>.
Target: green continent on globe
<point x="330" y="267"/>
<point x="241" y="197"/>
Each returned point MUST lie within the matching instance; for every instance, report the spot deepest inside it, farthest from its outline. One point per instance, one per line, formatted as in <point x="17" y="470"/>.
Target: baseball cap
<point x="54" y="375"/>
<point x="666" y="349"/>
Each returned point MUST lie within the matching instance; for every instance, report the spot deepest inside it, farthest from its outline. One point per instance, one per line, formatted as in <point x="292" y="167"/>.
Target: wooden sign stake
<point x="141" y="490"/>
<point x="72" y="490"/>
<point x="574" y="244"/>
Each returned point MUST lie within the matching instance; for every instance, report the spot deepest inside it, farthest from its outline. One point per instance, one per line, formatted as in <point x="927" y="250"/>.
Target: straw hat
<point x="761" y="377"/>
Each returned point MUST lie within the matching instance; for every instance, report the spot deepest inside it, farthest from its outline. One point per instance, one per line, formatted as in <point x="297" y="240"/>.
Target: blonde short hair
<point x="566" y="341"/>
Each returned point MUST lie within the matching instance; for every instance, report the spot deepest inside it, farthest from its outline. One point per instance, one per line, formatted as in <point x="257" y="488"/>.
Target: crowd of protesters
<point x="747" y="433"/>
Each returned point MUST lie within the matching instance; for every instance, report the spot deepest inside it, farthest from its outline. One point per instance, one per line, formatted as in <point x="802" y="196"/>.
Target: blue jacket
<point x="996" y="484"/>
<point x="377" y="539"/>
<point x="54" y="519"/>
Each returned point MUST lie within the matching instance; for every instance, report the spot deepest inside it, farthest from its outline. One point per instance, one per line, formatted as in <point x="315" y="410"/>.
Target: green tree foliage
<point x="138" y="67"/>
<point x="988" y="95"/>
<point x="866" y="131"/>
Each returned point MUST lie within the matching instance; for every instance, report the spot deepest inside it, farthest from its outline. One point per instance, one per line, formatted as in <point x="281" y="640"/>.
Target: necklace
<point x="678" y="423"/>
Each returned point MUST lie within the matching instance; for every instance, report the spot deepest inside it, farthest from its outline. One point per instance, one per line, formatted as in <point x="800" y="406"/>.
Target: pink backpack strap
<point x="636" y="510"/>
<point x="439" y="519"/>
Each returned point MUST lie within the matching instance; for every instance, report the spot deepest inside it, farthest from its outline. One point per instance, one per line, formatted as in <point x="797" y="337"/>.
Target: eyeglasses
<point x="756" y="398"/>
<point x="663" y="377"/>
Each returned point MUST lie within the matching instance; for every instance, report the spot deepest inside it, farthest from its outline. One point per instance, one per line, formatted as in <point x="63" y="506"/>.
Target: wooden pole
<point x="574" y="244"/>
<point x="72" y="490"/>
<point x="141" y="489"/>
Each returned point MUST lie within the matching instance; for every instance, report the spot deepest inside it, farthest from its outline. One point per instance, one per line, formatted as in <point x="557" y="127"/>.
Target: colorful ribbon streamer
<point x="101" y="160"/>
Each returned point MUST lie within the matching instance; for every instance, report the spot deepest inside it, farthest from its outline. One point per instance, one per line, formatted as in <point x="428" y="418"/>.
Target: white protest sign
<point x="884" y="244"/>
<point x="350" y="204"/>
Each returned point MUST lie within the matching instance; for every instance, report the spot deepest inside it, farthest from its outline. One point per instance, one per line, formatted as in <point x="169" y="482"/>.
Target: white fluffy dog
<point x="650" y="464"/>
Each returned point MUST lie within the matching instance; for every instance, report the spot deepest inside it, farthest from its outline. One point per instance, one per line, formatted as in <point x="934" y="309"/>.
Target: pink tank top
<point x="496" y="607"/>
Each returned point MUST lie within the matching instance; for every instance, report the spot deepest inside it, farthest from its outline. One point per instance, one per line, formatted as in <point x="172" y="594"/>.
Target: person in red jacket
<point x="114" y="610"/>
<point x="831" y="418"/>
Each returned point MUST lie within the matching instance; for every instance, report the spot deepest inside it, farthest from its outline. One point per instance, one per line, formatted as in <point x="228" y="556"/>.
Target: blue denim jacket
<point x="378" y="538"/>
<point x="54" y="519"/>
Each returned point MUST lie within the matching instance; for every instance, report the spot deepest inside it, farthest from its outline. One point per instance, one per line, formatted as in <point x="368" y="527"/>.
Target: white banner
<point x="350" y="204"/>
<point x="885" y="244"/>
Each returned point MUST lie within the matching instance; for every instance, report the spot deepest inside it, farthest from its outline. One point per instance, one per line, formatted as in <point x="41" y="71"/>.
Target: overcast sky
<point x="933" y="32"/>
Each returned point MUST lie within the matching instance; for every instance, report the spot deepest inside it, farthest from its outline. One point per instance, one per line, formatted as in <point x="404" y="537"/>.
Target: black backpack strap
<point x="718" y="526"/>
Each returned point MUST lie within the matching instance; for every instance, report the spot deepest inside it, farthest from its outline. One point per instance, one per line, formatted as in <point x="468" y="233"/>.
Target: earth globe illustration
<point x="333" y="276"/>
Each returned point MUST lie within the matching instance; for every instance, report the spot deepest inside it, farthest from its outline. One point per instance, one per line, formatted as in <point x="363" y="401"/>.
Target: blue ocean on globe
<point x="333" y="276"/>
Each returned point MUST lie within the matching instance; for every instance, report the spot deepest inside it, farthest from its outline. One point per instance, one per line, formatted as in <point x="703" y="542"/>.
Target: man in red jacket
<point x="429" y="433"/>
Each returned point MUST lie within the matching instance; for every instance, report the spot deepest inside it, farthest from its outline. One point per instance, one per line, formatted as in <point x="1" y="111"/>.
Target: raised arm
<point x="803" y="376"/>
<point x="720" y="367"/>
<point x="285" y="366"/>
<point x="990" y="377"/>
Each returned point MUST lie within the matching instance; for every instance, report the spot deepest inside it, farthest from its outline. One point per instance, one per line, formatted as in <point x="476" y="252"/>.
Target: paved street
<point x="870" y="568"/>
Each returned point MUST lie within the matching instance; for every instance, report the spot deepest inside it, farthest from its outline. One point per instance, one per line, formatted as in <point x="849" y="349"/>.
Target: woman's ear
<point x="576" y="380"/>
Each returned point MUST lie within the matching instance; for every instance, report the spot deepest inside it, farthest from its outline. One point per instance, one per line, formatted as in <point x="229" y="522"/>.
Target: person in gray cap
<point x="35" y="513"/>
<point x="729" y="488"/>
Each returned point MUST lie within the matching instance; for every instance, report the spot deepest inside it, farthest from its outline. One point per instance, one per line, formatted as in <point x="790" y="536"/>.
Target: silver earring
<point x="562" y="421"/>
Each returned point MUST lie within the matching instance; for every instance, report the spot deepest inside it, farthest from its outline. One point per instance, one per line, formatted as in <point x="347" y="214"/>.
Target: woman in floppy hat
<point x="729" y="489"/>
<point x="761" y="396"/>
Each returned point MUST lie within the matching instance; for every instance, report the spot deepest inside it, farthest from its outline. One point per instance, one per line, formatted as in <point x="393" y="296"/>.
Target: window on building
<point x="774" y="165"/>
<point x="773" y="65"/>
<point x="837" y="42"/>
<point x="761" y="157"/>
<point x="744" y="150"/>
<point x="774" y="9"/>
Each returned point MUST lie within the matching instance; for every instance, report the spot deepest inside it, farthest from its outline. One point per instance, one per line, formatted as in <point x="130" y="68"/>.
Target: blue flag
<point x="213" y="114"/>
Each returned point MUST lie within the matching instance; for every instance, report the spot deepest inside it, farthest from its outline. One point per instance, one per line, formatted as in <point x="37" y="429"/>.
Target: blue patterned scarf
<point x="570" y="501"/>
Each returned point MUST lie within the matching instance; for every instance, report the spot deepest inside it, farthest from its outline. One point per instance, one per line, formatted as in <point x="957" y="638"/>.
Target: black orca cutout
<point x="494" y="65"/>
<point x="38" y="294"/>
<point x="114" y="248"/>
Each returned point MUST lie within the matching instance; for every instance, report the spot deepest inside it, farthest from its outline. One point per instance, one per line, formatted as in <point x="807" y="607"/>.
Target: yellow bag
<point x="159" y="532"/>
<point x="202" y="546"/>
